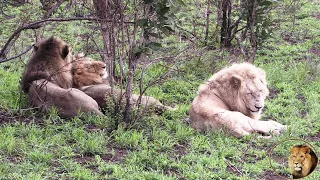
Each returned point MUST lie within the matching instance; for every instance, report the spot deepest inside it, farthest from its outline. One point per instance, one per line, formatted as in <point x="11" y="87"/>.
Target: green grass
<point x="164" y="146"/>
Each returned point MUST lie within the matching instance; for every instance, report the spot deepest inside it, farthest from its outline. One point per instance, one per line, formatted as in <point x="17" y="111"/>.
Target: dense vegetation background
<point x="173" y="47"/>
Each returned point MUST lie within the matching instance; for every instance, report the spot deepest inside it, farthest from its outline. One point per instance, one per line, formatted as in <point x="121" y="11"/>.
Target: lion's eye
<point x="301" y="156"/>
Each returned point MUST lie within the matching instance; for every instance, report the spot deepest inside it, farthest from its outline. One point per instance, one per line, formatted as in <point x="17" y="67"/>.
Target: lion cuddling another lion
<point x="87" y="72"/>
<point x="233" y="99"/>
<point x="52" y="73"/>
<point x="91" y="77"/>
<point x="48" y="81"/>
<point x="302" y="161"/>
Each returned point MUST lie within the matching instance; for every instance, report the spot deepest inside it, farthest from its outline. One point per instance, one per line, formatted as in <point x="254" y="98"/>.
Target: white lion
<point x="233" y="99"/>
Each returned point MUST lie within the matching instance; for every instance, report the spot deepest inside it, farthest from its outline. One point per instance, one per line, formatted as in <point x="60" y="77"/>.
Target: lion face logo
<point x="302" y="161"/>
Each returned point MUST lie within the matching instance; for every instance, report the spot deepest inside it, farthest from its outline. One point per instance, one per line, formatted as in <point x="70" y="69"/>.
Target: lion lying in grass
<point x="91" y="77"/>
<point x="47" y="81"/>
<point x="87" y="72"/>
<point x="50" y="78"/>
<point x="302" y="161"/>
<point x="233" y="99"/>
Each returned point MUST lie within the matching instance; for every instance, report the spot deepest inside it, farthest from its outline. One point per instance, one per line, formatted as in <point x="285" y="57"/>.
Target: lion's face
<point x="297" y="160"/>
<point x="254" y="92"/>
<point x="300" y="160"/>
<point x="87" y="65"/>
<point x="96" y="67"/>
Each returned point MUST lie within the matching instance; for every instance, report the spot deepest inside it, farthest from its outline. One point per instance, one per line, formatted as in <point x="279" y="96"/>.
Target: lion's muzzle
<point x="297" y="167"/>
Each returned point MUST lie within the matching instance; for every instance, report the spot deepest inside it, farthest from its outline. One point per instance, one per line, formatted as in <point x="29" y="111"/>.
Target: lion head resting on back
<point x="233" y="99"/>
<point x="302" y="161"/>
<point x="87" y="72"/>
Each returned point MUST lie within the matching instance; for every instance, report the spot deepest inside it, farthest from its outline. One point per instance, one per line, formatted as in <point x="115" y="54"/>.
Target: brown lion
<point x="233" y="99"/>
<point x="87" y="72"/>
<point x="50" y="61"/>
<point x="91" y="77"/>
<point x="302" y="161"/>
<point x="48" y="80"/>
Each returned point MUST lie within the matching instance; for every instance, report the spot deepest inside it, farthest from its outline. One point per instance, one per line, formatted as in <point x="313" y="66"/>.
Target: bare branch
<point x="14" y="57"/>
<point x="50" y="11"/>
<point x="37" y="24"/>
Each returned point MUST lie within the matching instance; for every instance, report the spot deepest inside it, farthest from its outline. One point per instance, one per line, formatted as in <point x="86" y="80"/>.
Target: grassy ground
<point x="165" y="147"/>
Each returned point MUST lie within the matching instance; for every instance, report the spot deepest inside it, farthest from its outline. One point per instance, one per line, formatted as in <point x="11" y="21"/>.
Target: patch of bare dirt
<point x="180" y="149"/>
<point x="173" y="171"/>
<point x="233" y="169"/>
<point x="316" y="15"/>
<point x="7" y="116"/>
<point x="289" y="38"/>
<point x="86" y="161"/>
<point x="93" y="128"/>
<point x="280" y="159"/>
<point x="251" y="158"/>
<point x="303" y="113"/>
<point x="273" y="93"/>
<point x="315" y="50"/>
<point x="14" y="159"/>
<point x="271" y="175"/>
<point x="315" y="137"/>
<point x="115" y="155"/>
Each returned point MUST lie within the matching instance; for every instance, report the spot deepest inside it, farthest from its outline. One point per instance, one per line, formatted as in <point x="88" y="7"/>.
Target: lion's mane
<point x="233" y="98"/>
<point x="302" y="161"/>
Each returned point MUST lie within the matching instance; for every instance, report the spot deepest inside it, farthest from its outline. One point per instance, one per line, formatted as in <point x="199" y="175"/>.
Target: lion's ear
<point x="235" y="81"/>
<point x="308" y="150"/>
<point x="35" y="47"/>
<point x="65" y="51"/>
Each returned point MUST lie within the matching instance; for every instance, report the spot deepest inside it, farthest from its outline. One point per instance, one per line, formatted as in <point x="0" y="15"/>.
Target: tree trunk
<point x="106" y="10"/>
<point x="225" y="39"/>
<point x="253" y="38"/>
<point x="219" y="9"/>
<point x="207" y="24"/>
<point x="128" y="108"/>
<point x="132" y="65"/>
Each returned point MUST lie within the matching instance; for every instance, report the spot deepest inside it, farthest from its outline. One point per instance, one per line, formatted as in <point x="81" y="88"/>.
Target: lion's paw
<point x="276" y="128"/>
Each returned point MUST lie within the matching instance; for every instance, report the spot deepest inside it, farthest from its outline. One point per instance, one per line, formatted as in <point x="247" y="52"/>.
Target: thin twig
<point x="233" y="167"/>
<point x="14" y="57"/>
<point x="35" y="25"/>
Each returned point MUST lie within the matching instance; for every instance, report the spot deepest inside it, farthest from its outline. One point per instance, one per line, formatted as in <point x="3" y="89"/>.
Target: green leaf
<point x="169" y="28"/>
<point x="148" y="1"/>
<point x="155" y="35"/>
<point x="164" y="10"/>
<point x="136" y="50"/>
<point x="266" y="3"/>
<point x="154" y="46"/>
<point x="181" y="2"/>
<point x="142" y="22"/>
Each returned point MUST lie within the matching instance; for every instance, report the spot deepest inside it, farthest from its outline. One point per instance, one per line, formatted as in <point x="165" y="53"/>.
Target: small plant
<point x="128" y="139"/>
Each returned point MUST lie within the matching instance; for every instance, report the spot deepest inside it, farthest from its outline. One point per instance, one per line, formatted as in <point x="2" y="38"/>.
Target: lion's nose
<point x="296" y="163"/>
